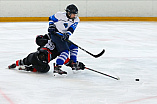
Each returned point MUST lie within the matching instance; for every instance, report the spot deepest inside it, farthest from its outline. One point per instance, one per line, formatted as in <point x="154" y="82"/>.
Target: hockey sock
<point x="73" y="53"/>
<point x="62" y="57"/>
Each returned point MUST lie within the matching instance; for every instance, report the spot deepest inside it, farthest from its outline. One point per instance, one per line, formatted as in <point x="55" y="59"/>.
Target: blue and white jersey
<point x="63" y="23"/>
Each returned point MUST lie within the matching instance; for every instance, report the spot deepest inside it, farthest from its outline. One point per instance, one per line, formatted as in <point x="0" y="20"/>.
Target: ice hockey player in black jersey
<point x="61" y="26"/>
<point x="39" y="61"/>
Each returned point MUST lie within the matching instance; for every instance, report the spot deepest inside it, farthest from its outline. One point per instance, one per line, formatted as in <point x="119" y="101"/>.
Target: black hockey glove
<point x="81" y="65"/>
<point x="52" y="28"/>
<point x="65" y="36"/>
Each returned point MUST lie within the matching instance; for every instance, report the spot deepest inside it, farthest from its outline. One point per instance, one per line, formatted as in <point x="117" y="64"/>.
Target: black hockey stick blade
<point x="96" y="56"/>
<point x="100" y="54"/>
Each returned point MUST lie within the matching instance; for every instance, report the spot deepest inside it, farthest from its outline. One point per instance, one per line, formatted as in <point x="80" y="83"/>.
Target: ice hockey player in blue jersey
<point x="61" y="26"/>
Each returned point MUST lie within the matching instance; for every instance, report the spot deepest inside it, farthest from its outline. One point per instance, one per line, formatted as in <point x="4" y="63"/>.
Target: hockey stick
<point x="96" y="56"/>
<point x="103" y="73"/>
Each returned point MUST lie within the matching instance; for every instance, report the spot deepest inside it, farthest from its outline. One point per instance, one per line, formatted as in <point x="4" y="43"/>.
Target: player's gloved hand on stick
<point x="65" y="36"/>
<point x="51" y="28"/>
<point x="81" y="65"/>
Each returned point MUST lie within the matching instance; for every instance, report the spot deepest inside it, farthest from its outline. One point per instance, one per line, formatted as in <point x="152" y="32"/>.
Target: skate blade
<point x="59" y="75"/>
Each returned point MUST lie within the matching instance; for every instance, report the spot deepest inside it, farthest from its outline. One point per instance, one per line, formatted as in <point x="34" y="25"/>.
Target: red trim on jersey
<point x="49" y="53"/>
<point x="48" y="57"/>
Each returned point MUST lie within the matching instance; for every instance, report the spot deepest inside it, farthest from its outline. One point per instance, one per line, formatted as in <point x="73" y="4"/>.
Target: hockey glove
<point x="65" y="36"/>
<point x="52" y="28"/>
<point x="81" y="65"/>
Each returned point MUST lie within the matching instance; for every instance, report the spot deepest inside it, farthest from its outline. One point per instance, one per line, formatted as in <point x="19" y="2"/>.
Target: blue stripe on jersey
<point x="59" y="33"/>
<point x="53" y="18"/>
<point x="69" y="33"/>
<point x="62" y="57"/>
<point x="72" y="27"/>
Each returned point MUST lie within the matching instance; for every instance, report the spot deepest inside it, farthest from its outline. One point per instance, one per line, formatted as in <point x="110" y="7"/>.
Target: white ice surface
<point x="131" y="52"/>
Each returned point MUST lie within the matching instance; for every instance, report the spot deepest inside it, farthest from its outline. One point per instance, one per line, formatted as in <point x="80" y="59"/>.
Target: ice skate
<point x="57" y="70"/>
<point x="27" y="68"/>
<point x="18" y="63"/>
<point x="12" y="66"/>
<point x="75" y="68"/>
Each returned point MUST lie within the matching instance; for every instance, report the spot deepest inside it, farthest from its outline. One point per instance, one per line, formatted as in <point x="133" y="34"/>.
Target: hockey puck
<point x="137" y="80"/>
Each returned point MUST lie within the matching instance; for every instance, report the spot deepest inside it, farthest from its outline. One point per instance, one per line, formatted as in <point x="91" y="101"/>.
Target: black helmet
<point x="72" y="9"/>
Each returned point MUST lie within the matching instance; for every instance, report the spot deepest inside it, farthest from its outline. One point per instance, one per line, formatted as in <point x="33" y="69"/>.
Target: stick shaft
<point x="102" y="73"/>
